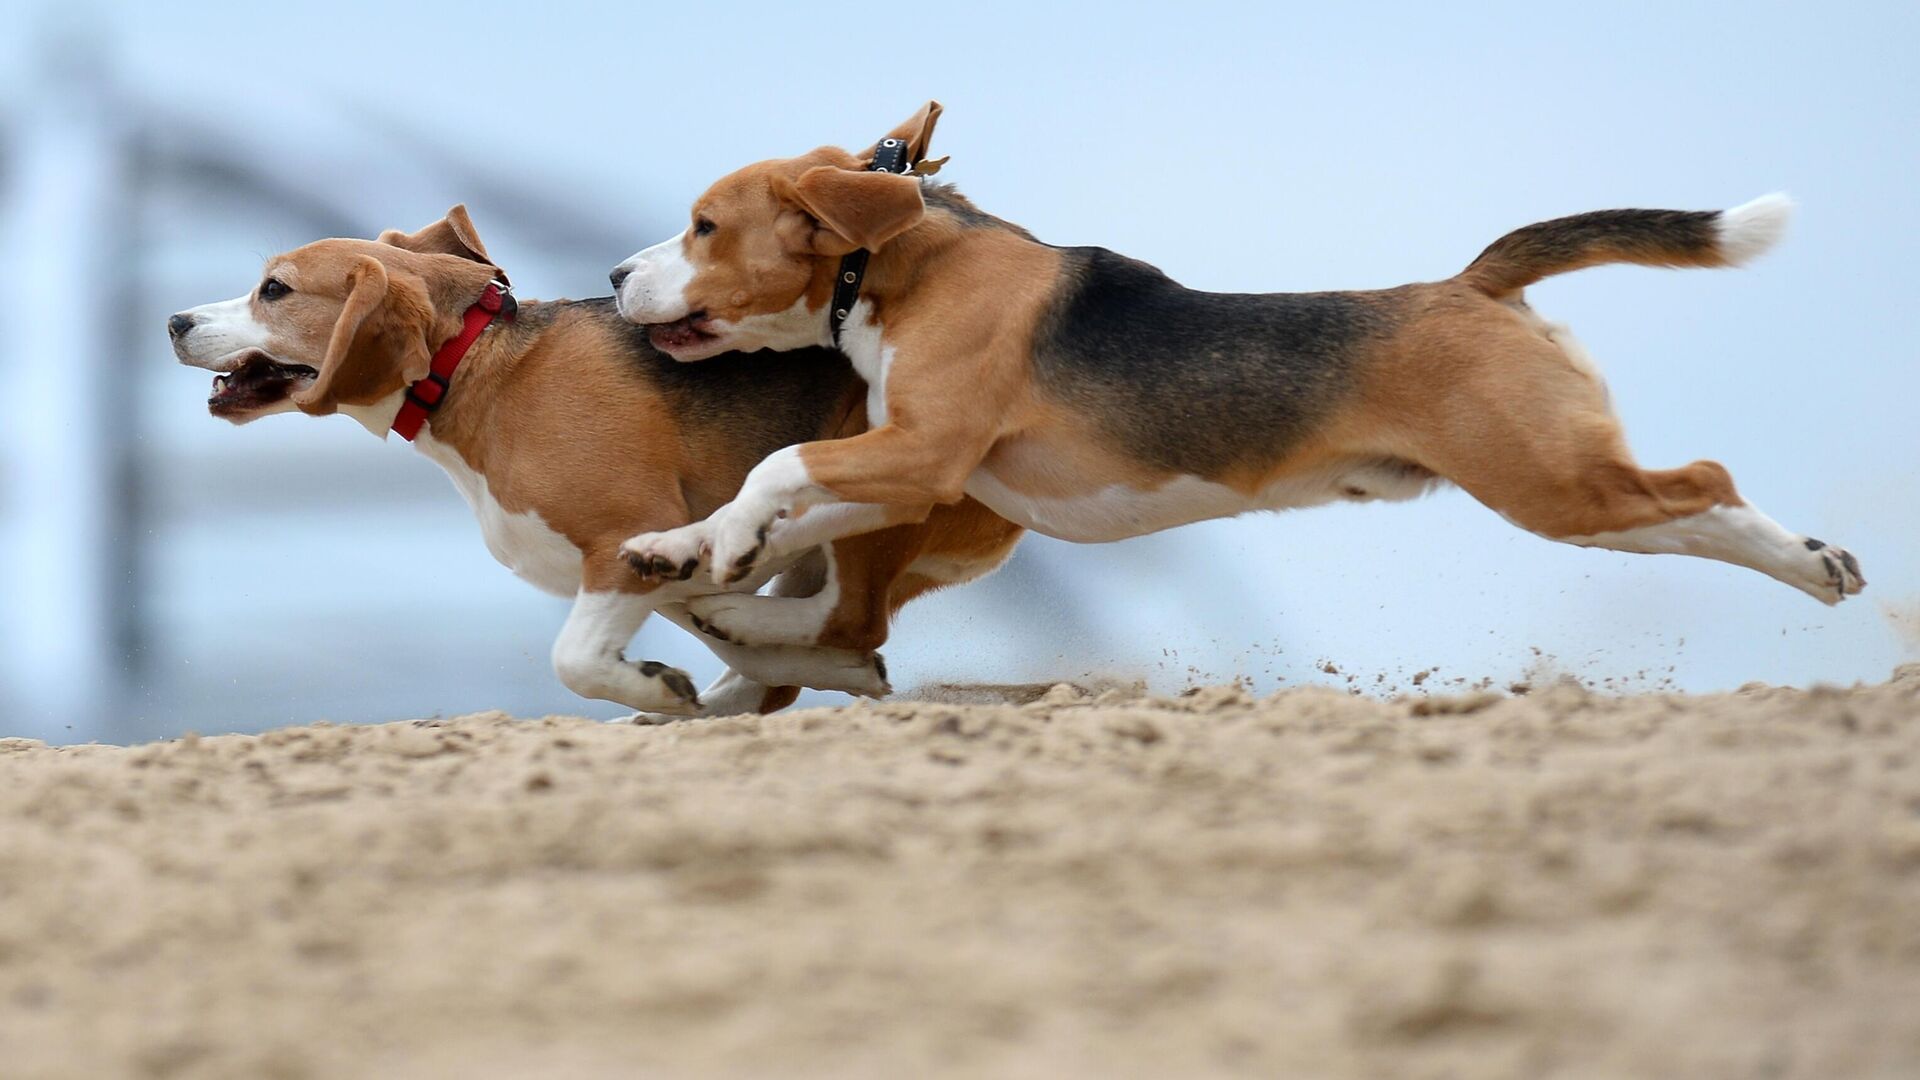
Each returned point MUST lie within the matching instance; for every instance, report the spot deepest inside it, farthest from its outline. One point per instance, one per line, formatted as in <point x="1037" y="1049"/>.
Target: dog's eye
<point x="273" y="289"/>
<point x="704" y="227"/>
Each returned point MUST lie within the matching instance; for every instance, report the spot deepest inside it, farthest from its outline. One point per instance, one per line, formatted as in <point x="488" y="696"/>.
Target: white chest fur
<point x="872" y="357"/>
<point x="522" y="542"/>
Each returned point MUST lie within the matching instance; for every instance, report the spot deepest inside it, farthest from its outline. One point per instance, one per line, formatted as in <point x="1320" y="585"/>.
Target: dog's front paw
<point x="679" y="697"/>
<point x="673" y="555"/>
<point x="739" y="545"/>
<point x="1843" y="577"/>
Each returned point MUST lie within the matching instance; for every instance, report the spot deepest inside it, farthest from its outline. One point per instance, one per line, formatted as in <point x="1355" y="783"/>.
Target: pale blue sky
<point x="1266" y="147"/>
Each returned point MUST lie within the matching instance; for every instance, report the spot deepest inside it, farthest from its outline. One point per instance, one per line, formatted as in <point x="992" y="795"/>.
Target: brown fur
<point x="1469" y="387"/>
<point x="1475" y="391"/>
<point x="534" y="413"/>
<point x="1646" y="237"/>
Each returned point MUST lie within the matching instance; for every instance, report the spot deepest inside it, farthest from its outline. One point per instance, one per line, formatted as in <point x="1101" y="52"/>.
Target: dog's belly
<point x="1114" y="512"/>
<point x="522" y="542"/>
<point x="1118" y="511"/>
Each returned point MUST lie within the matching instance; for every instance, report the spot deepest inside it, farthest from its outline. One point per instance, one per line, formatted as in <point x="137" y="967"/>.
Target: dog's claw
<point x="709" y="629"/>
<point x="658" y="566"/>
<point x="743" y="566"/>
<point x="675" y="680"/>
<point x="674" y="555"/>
<point x="1842" y="570"/>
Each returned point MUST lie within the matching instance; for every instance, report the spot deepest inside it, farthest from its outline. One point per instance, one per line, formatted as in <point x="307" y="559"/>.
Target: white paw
<point x="673" y="555"/>
<point x="875" y="669"/>
<point x="862" y="674"/>
<point x="647" y="685"/>
<point x="733" y="694"/>
<point x="1842" y="570"/>
<point x="676" y="690"/>
<point x="739" y="544"/>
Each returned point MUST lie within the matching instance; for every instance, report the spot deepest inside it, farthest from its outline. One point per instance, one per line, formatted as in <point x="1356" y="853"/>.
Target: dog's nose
<point x="178" y="325"/>
<point x="620" y="274"/>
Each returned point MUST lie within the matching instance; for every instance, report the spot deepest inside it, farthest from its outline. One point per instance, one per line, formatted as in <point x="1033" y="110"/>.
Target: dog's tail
<point x="1646" y="237"/>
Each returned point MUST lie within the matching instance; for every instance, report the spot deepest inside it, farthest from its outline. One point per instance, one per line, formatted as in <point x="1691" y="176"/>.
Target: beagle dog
<point x="1088" y="396"/>
<point x="563" y="428"/>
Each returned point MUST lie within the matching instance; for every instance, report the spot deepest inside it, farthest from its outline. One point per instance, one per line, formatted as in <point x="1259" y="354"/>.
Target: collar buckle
<point x="889" y="156"/>
<point x="498" y="300"/>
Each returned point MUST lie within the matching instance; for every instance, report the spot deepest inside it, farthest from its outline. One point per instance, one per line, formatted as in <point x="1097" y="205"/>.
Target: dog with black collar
<point x="1087" y="396"/>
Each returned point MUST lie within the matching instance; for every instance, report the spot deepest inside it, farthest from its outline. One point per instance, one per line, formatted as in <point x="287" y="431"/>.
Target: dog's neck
<point x="377" y="418"/>
<point x="462" y="415"/>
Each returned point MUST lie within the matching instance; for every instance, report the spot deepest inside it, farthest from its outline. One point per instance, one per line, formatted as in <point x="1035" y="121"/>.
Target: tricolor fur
<point x="1086" y="395"/>
<point x="566" y="430"/>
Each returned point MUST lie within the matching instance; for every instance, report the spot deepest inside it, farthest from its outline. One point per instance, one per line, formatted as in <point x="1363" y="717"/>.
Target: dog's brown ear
<point x="916" y="132"/>
<point x="451" y="235"/>
<point x="855" y="209"/>
<point x="378" y="344"/>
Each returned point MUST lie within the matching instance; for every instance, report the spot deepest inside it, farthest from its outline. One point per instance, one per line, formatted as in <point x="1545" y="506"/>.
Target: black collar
<point x="890" y="156"/>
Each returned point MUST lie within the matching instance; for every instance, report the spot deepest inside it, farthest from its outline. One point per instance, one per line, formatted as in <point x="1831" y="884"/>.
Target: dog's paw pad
<point x="659" y="557"/>
<point x="1843" y="570"/>
<point x="674" y="681"/>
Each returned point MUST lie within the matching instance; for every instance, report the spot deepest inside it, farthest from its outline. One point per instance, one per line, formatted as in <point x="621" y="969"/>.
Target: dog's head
<point x="755" y="267"/>
<point x="337" y="323"/>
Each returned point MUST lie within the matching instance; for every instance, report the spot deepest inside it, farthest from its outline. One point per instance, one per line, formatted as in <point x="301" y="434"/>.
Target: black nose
<point x="179" y="325"/>
<point x="619" y="275"/>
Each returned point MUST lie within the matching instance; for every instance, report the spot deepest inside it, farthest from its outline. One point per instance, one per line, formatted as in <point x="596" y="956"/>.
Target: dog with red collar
<point x="1088" y="396"/>
<point x="563" y="428"/>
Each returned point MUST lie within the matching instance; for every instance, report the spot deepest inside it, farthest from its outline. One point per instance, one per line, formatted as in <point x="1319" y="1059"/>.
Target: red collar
<point x="426" y="395"/>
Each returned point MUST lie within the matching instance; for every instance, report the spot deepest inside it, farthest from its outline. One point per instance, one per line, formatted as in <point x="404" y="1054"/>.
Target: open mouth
<point x="682" y="334"/>
<point x="257" y="381"/>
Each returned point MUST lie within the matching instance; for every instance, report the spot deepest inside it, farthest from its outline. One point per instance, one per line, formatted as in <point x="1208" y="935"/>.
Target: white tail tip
<point x="1748" y="230"/>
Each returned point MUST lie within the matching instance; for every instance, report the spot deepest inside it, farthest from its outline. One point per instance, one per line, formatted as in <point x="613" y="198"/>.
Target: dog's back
<point x="1181" y="377"/>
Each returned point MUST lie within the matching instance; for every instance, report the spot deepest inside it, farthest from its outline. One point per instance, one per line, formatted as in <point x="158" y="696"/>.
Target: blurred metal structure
<point x="161" y="572"/>
<point x="86" y="484"/>
<point x="66" y="447"/>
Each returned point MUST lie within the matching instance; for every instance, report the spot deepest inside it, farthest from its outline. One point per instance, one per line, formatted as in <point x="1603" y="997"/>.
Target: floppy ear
<point x="916" y="132"/>
<point x="451" y="235"/>
<point x="379" y="342"/>
<point x="856" y="209"/>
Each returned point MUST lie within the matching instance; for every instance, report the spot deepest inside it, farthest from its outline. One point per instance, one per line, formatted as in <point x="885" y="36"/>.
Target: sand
<point x="1313" y="884"/>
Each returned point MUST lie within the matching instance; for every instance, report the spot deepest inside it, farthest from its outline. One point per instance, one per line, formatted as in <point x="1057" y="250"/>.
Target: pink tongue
<point x="675" y="333"/>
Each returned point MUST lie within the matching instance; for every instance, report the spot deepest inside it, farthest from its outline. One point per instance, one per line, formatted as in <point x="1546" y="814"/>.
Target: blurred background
<point x="161" y="571"/>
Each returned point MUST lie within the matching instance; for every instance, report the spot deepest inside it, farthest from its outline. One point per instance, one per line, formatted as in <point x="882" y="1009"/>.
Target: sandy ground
<point x="1310" y="885"/>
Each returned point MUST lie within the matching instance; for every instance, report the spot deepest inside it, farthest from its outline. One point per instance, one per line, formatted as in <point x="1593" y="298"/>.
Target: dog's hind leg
<point x="836" y="598"/>
<point x="1739" y="534"/>
<point x="849" y="671"/>
<point x="1528" y="431"/>
<point x="733" y="694"/>
<point x="852" y="587"/>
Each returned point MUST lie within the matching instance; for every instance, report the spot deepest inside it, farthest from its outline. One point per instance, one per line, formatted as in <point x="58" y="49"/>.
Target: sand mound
<point x="1100" y="885"/>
